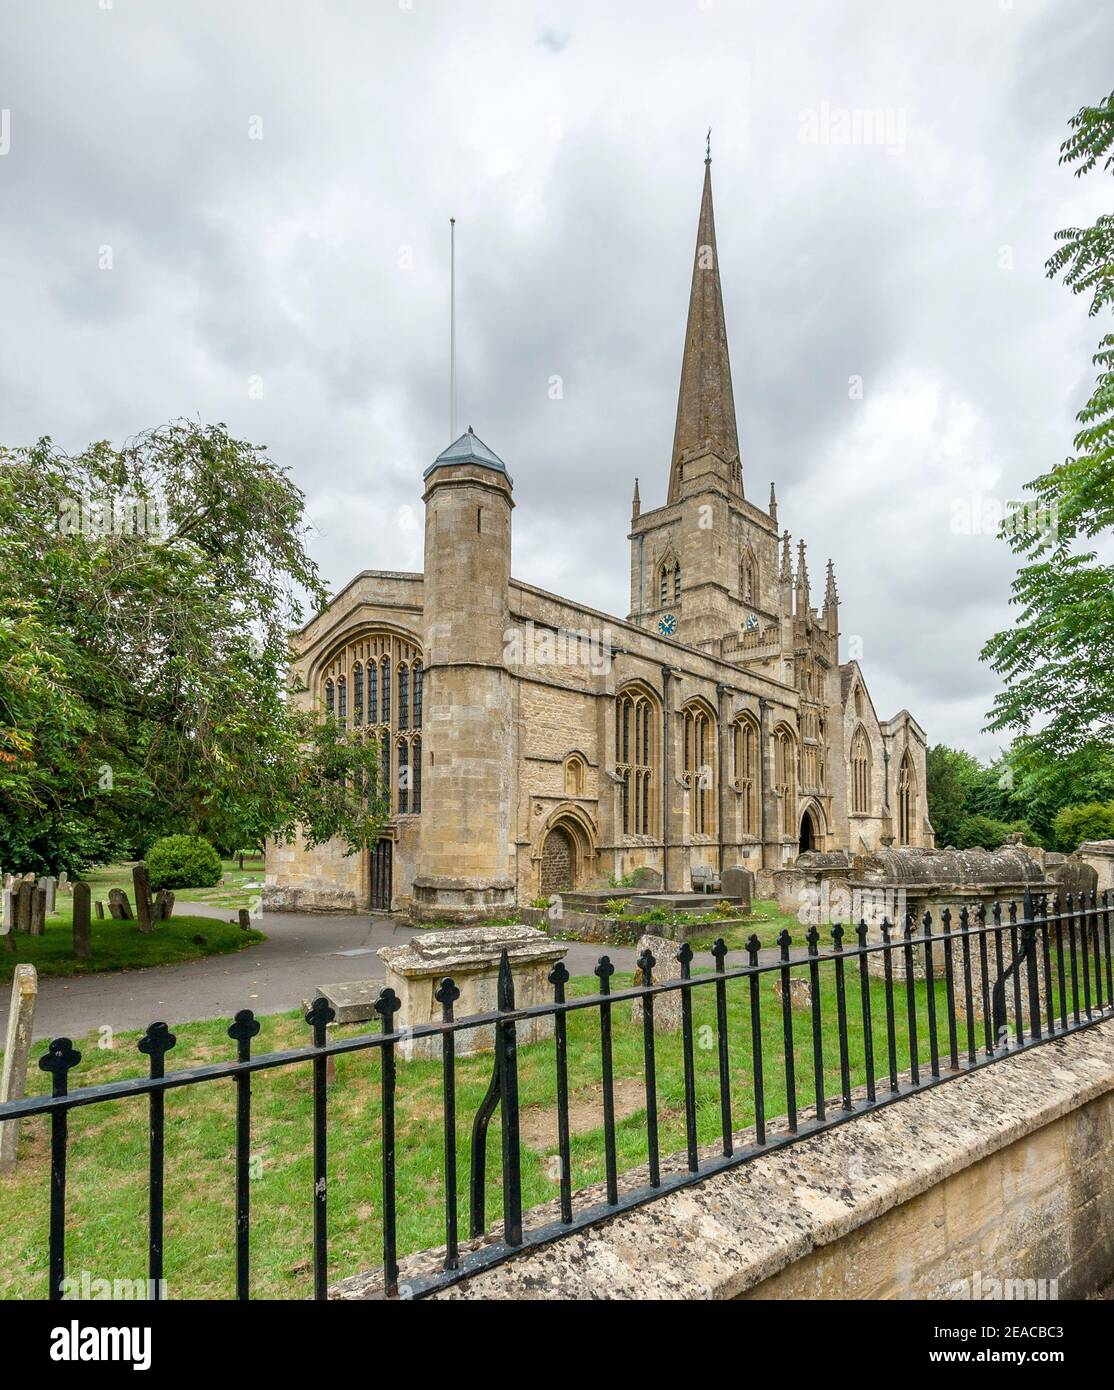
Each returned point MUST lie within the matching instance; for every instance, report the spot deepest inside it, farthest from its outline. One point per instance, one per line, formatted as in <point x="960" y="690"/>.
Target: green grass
<point x="121" y="945"/>
<point x="107" y="1190"/>
<point x="766" y="921"/>
<point x="232" y="892"/>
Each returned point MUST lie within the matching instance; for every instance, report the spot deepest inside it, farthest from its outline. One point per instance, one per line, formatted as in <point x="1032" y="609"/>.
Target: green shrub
<point x="542" y="902"/>
<point x="981" y="831"/>
<point x="726" y="909"/>
<point x="614" y="907"/>
<point x="183" y="861"/>
<point x="1074" y="824"/>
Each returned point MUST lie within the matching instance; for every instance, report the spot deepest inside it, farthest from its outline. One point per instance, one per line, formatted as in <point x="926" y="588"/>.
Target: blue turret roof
<point x="469" y="448"/>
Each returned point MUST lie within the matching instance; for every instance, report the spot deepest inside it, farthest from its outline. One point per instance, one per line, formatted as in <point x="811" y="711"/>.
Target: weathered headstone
<point x="800" y="992"/>
<point x="164" y="905"/>
<point x="38" y="910"/>
<point x="17" y="1049"/>
<point x="118" y="905"/>
<point x="245" y="919"/>
<point x="64" y="884"/>
<point x="82" y="926"/>
<point x="646" y="878"/>
<point x="141" y="881"/>
<point x="667" y="1007"/>
<point x="100" y="908"/>
<point x="48" y="883"/>
<point x="737" y="883"/>
<point x="23" y="891"/>
<point x="6" y="917"/>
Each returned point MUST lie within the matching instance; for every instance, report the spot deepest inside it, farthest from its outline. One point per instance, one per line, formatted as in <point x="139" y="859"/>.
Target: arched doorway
<point x="558" y="861"/>
<point x="808" y="832"/>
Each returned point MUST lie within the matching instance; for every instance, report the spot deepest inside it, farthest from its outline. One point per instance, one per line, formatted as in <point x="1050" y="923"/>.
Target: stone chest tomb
<point x="470" y="955"/>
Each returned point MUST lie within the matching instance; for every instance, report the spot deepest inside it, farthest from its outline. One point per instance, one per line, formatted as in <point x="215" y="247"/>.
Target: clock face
<point x="667" y="624"/>
<point x="752" y="623"/>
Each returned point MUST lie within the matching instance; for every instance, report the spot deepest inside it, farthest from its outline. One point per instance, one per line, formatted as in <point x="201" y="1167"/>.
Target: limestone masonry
<point x="533" y="745"/>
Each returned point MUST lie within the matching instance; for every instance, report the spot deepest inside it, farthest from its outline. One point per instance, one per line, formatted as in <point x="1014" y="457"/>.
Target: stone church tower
<point x="532" y="745"/>
<point x="467" y="871"/>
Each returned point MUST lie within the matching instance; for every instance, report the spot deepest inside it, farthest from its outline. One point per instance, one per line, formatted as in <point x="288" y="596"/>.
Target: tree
<point x="146" y="597"/>
<point x="1075" y="824"/>
<point x="982" y="831"/>
<point x="949" y="776"/>
<point x="1059" y="687"/>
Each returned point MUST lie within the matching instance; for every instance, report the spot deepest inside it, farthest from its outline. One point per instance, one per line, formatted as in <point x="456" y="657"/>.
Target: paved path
<point x="301" y="953"/>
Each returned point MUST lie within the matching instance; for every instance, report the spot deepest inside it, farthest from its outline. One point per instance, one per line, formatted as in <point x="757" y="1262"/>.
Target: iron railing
<point x="1052" y="972"/>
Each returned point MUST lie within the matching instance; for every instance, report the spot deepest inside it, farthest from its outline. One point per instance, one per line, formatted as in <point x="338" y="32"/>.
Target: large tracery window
<point x="860" y="773"/>
<point x="374" y="665"/>
<point x="700" y="742"/>
<point x="636" y="754"/>
<point x="744" y="734"/>
<point x="785" y="778"/>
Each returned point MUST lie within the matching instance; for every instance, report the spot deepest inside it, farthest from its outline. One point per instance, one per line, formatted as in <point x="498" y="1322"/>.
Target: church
<point x="531" y="745"/>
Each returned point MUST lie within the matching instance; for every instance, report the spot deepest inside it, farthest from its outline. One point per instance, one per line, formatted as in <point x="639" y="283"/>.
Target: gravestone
<point x="6" y="917"/>
<point x="141" y="882"/>
<point x="354" y="1000"/>
<point x="82" y="926"/>
<point x="17" y="1049"/>
<point x="24" y="890"/>
<point x="164" y="905"/>
<point x="119" y="906"/>
<point x="47" y="883"/>
<point x="667" y="1007"/>
<point x="64" y="884"/>
<point x="244" y="917"/>
<point x="38" y="910"/>
<point x="800" y="992"/>
<point x="100" y="909"/>
<point x="737" y="883"/>
<point x="646" y="878"/>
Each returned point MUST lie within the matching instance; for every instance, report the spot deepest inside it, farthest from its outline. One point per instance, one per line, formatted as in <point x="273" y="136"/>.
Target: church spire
<point x="831" y="601"/>
<point x="636" y="503"/>
<point x="773" y="505"/>
<point x="802" y="582"/>
<point x="831" y="597"/>
<point x="705" y="403"/>
<point x="786" y="575"/>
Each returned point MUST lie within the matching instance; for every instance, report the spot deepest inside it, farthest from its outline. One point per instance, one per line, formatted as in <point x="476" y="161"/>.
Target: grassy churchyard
<point x="107" y="1183"/>
<point x="120" y="945"/>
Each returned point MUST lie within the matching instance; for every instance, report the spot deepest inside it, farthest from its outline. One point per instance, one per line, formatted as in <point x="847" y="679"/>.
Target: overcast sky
<point x="273" y="183"/>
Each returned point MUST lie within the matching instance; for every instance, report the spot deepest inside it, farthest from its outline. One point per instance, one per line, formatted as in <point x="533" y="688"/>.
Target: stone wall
<point x="1003" y="1174"/>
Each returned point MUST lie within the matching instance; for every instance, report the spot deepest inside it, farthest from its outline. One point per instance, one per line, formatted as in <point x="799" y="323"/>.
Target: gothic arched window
<point x="860" y="773"/>
<point x="785" y="778"/>
<point x="745" y="747"/>
<point x="700" y="742"/>
<point x="366" y="664"/>
<point x="748" y="579"/>
<point x="636" y="756"/>
<point x="404" y="697"/>
<point x="906" y="801"/>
